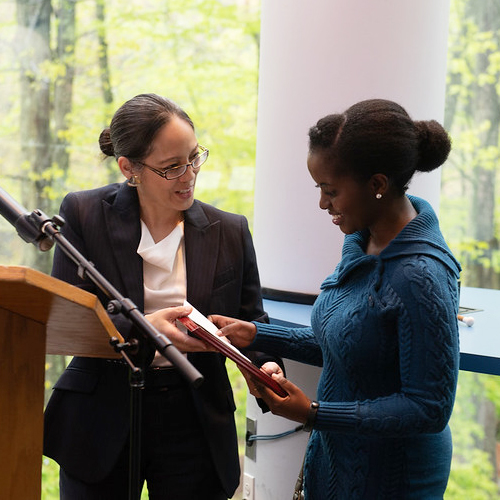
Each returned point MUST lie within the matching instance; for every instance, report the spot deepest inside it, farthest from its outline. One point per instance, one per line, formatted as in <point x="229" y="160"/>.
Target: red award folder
<point x="231" y="352"/>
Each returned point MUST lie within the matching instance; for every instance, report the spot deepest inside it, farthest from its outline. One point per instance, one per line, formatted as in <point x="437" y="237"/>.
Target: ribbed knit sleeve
<point x="298" y="344"/>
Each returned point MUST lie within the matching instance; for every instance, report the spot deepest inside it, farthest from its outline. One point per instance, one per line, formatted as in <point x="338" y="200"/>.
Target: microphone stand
<point x="35" y="228"/>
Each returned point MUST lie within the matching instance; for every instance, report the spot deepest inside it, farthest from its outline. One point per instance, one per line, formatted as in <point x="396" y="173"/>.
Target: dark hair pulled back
<point x="135" y="125"/>
<point x="378" y="136"/>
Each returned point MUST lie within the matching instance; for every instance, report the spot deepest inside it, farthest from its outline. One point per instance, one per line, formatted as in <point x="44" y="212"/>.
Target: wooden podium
<point x="39" y="315"/>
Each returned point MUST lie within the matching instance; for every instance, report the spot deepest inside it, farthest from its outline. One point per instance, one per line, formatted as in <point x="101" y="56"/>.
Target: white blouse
<point x="164" y="271"/>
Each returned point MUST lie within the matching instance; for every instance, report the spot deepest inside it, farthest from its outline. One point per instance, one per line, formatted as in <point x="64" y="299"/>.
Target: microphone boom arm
<point x="42" y="231"/>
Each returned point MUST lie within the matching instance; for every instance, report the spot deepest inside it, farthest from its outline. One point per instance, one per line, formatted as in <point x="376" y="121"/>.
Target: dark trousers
<point x="175" y="459"/>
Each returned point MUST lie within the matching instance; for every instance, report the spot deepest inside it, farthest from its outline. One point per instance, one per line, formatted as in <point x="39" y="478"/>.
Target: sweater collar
<point x="420" y="236"/>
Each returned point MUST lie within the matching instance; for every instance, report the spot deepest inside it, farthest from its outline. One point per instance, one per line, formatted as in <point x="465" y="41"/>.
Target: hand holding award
<point x="202" y="328"/>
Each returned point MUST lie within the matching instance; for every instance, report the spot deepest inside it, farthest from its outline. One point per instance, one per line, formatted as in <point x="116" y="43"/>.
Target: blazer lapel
<point x="202" y="240"/>
<point x="123" y="224"/>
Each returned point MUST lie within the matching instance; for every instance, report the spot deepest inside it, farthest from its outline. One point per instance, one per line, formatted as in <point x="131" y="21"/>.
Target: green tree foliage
<point x="469" y="217"/>
<point x="202" y="54"/>
<point x="470" y="196"/>
<point x="473" y="475"/>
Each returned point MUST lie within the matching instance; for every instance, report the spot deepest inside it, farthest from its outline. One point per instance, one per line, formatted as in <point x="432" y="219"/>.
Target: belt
<point x="162" y="378"/>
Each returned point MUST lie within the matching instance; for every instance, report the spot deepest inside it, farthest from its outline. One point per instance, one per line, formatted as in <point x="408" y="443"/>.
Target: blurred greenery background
<point x="66" y="65"/>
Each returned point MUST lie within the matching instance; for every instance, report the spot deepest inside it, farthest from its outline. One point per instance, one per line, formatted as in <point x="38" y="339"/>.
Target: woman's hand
<point x="164" y="321"/>
<point x="295" y="406"/>
<point x="240" y="333"/>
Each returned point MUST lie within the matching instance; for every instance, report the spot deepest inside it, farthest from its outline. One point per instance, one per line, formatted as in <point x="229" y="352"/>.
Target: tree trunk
<point x="34" y="20"/>
<point x="105" y="74"/>
<point x="63" y="86"/>
<point x="485" y="112"/>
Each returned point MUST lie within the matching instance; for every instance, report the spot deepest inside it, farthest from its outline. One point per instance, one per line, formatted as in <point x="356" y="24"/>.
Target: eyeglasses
<point x="175" y="172"/>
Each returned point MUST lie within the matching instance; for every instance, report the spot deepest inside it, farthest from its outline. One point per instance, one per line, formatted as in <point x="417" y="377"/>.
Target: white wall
<point x="318" y="58"/>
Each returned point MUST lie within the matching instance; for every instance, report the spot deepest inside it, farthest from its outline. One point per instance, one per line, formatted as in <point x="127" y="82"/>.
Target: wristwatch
<point x="311" y="417"/>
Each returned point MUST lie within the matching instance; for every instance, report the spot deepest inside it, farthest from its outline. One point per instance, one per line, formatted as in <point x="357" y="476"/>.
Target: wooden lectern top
<point x="38" y="315"/>
<point x="76" y="322"/>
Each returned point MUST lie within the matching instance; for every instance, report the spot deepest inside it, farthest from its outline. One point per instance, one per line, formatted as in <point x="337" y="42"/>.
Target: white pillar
<point x="319" y="57"/>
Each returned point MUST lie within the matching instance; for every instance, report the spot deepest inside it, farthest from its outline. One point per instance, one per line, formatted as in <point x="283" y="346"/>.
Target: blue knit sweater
<point x="385" y="330"/>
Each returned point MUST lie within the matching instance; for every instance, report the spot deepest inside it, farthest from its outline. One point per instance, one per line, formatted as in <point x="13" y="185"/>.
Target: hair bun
<point x="434" y="145"/>
<point x="105" y="143"/>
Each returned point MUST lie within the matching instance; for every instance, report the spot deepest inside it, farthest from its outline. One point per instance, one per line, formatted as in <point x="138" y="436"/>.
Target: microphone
<point x="28" y="225"/>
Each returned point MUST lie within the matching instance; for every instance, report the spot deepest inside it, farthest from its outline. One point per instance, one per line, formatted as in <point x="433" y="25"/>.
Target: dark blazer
<point x="87" y="417"/>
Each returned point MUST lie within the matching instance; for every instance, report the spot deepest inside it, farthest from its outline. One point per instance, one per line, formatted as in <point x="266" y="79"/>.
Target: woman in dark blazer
<point x="189" y="444"/>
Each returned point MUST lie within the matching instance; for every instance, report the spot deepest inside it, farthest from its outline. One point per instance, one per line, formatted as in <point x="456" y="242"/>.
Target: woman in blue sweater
<point x="384" y="327"/>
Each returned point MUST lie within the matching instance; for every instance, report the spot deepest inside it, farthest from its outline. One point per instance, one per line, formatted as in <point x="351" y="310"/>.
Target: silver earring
<point x="134" y="181"/>
<point x="378" y="196"/>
